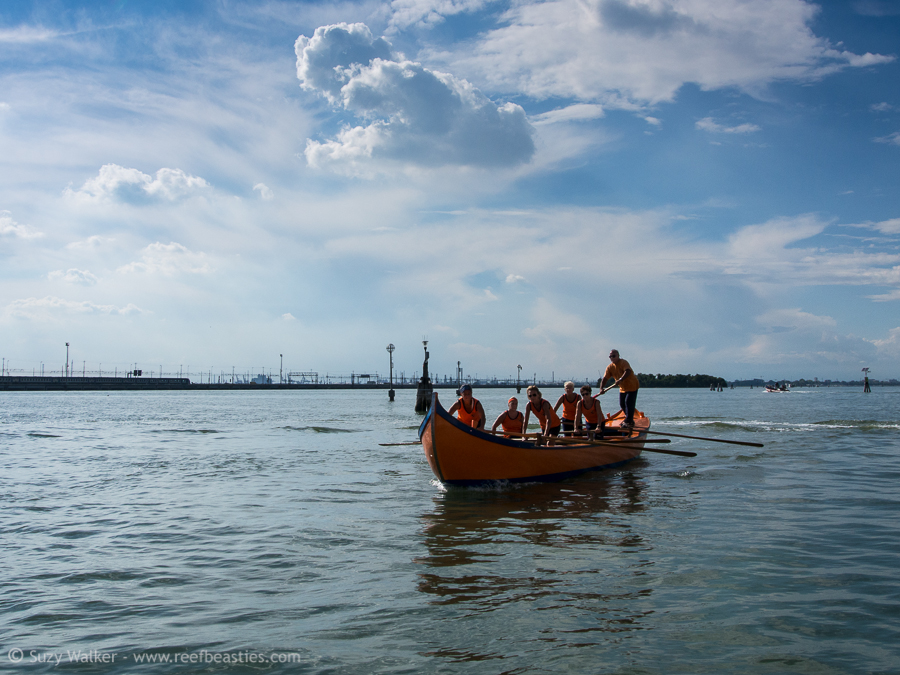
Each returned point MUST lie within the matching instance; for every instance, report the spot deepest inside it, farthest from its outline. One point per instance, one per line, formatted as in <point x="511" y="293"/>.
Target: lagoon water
<point x="214" y="530"/>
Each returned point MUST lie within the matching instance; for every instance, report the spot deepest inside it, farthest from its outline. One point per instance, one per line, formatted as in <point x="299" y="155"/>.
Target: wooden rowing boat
<point x="461" y="455"/>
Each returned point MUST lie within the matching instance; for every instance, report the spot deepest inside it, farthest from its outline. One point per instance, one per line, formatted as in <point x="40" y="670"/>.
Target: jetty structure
<point x="424" y="389"/>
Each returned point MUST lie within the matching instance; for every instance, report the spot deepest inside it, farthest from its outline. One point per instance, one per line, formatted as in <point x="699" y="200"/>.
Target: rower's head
<point x="533" y="393"/>
<point x="512" y="404"/>
<point x="466" y="392"/>
<point x="614" y="355"/>
<point x="586" y="391"/>
<point x="569" y="387"/>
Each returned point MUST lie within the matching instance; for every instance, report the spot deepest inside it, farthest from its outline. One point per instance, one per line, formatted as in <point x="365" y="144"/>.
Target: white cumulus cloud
<point x="415" y="115"/>
<point x="891" y="226"/>
<point x="168" y="259"/>
<point x="116" y="183"/>
<point x="10" y="228"/>
<point x="74" y="276"/>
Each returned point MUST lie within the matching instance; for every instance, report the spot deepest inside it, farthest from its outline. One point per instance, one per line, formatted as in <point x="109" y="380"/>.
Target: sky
<point x="709" y="186"/>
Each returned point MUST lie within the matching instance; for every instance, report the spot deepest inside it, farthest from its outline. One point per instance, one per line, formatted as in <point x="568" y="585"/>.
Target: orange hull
<point x="461" y="455"/>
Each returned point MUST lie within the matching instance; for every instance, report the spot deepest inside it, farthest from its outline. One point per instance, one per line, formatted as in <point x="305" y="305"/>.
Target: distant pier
<point x="56" y="383"/>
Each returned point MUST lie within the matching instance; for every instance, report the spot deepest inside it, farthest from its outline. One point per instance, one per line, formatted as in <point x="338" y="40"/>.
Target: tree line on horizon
<point x="649" y="380"/>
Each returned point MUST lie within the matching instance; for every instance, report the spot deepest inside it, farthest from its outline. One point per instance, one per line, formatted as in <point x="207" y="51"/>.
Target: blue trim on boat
<point x="427" y="418"/>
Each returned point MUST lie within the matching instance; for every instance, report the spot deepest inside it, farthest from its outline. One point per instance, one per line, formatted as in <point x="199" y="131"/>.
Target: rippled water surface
<point x="251" y="525"/>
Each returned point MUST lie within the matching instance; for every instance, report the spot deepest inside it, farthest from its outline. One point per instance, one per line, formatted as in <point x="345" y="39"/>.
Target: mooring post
<point x="424" y="390"/>
<point x="390" y="349"/>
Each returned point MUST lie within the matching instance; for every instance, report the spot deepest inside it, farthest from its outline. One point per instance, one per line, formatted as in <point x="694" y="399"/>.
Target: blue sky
<point x="707" y="185"/>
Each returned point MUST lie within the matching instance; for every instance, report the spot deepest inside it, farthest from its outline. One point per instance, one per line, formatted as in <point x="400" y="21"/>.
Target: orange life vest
<point x="466" y="417"/>
<point x="513" y="423"/>
<point x="569" y="407"/>
<point x="554" y="419"/>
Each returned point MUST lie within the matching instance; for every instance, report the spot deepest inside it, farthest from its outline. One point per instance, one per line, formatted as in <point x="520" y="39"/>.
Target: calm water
<point x="239" y="526"/>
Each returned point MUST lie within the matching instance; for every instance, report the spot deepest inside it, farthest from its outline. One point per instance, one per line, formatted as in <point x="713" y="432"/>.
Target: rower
<point x="589" y="408"/>
<point x="550" y="423"/>
<point x="469" y="409"/>
<point x="511" y="419"/>
<point x="620" y="372"/>
<point x="569" y="401"/>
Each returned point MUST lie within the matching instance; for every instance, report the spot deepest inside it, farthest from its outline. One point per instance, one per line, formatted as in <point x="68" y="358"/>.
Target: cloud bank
<point x="50" y="306"/>
<point x="627" y="53"/>
<point x="416" y="115"/>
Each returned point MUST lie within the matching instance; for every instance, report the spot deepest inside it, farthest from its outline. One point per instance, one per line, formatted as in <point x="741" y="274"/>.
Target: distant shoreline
<point x="55" y="383"/>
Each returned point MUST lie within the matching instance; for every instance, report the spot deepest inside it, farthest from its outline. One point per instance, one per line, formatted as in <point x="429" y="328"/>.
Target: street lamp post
<point x="67" y="360"/>
<point x="390" y="349"/>
<point x="281" y="370"/>
<point x="518" y="380"/>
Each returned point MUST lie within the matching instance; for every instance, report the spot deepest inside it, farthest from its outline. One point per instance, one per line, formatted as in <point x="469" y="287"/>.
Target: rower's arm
<point x="578" y="415"/>
<point x="558" y="403"/>
<point x="482" y="418"/>
<point x="498" y="421"/>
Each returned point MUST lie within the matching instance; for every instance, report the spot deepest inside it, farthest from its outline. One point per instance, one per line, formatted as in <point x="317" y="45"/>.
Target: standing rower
<point x="619" y="370"/>
<point x="469" y="409"/>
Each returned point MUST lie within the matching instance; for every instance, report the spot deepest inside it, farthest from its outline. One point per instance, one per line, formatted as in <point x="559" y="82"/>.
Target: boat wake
<point x="760" y="425"/>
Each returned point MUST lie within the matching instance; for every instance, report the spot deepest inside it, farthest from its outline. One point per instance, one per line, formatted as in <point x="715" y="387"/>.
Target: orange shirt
<point x="591" y="414"/>
<point x="569" y="407"/>
<point x="615" y="371"/>
<point x="513" y="423"/>
<point x="554" y="419"/>
<point x="469" y="418"/>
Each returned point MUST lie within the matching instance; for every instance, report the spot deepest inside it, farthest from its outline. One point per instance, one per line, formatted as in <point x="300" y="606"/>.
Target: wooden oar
<point x="537" y="435"/>
<point x="704" y="438"/>
<point x="572" y="441"/>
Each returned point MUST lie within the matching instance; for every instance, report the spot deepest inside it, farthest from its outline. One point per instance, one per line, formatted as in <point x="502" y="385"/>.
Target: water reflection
<point x="574" y="549"/>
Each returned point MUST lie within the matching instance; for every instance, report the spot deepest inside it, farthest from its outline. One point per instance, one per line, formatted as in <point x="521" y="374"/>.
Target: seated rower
<point x="511" y="419"/>
<point x="569" y="401"/>
<point x="589" y="408"/>
<point x="469" y="409"/>
<point x="543" y="411"/>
